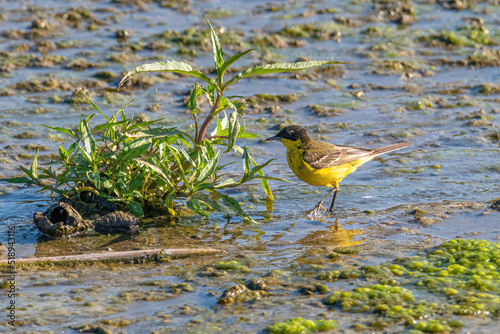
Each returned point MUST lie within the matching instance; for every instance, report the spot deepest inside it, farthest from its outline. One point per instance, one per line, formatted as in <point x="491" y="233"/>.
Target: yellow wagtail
<point x="323" y="164"/>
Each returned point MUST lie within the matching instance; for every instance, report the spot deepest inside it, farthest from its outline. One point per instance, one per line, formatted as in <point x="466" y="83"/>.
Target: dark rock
<point x="256" y="284"/>
<point x="232" y="294"/>
<point x="496" y="205"/>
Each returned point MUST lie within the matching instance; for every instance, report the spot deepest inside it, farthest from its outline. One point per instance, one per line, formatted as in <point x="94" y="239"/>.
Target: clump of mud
<point x="116" y="222"/>
<point x="401" y="11"/>
<point x="496" y="205"/>
<point x="61" y="219"/>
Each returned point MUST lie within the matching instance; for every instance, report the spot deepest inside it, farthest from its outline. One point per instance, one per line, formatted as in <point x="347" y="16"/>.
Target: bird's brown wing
<point x="323" y="155"/>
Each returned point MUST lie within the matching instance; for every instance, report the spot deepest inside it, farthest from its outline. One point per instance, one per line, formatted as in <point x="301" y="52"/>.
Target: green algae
<point x="488" y="88"/>
<point x="419" y="104"/>
<point x="219" y="13"/>
<point x="199" y="38"/>
<point x="302" y="326"/>
<point x="46" y="85"/>
<point x="391" y="66"/>
<point x="276" y="41"/>
<point x="463" y="277"/>
<point x="437" y="326"/>
<point x="116" y="322"/>
<point x="388" y="300"/>
<point x="232" y="265"/>
<point x="464" y="37"/>
<point x="318" y="30"/>
<point x="322" y="110"/>
<point x="34" y="147"/>
<point x="346" y="250"/>
<point x="486" y="57"/>
<point x="182" y="287"/>
<point x="276" y="98"/>
<point x="81" y="95"/>
<point x="242" y="294"/>
<point x="261" y="103"/>
<point x="477" y="119"/>
<point x="27" y="135"/>
<point x="316" y="288"/>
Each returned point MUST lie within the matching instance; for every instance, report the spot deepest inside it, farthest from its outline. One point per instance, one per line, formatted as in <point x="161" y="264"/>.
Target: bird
<point x="323" y="164"/>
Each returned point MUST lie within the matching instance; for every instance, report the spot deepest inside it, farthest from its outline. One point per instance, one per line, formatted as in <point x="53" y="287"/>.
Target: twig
<point x="118" y="255"/>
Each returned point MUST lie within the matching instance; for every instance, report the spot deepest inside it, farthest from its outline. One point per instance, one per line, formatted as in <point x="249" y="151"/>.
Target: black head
<point x="293" y="133"/>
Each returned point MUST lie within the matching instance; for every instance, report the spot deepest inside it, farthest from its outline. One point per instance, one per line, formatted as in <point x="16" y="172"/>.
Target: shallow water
<point x="401" y="86"/>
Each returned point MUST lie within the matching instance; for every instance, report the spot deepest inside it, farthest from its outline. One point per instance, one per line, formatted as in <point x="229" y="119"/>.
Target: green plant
<point x="141" y="167"/>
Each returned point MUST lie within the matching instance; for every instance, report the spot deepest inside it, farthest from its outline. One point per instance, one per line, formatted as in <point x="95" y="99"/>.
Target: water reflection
<point x="332" y="235"/>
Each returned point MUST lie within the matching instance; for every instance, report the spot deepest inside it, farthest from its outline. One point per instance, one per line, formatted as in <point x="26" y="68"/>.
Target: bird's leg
<point x="320" y="203"/>
<point x="334" y="197"/>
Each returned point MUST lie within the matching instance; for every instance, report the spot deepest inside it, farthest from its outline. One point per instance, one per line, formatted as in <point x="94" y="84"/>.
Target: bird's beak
<point x="273" y="138"/>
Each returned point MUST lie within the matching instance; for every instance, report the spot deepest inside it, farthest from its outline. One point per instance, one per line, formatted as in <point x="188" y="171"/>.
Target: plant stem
<point x="208" y="120"/>
<point x="204" y="127"/>
<point x="196" y="127"/>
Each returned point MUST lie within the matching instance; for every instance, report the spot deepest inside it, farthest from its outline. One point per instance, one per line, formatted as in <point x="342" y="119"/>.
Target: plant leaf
<point x="218" y="131"/>
<point x="105" y="126"/>
<point x="135" y="208"/>
<point x="134" y="149"/>
<point x="212" y="203"/>
<point x="231" y="60"/>
<point x="169" y="66"/>
<point x="246" y="161"/>
<point x="246" y="135"/>
<point x="217" y="49"/>
<point x="34" y="165"/>
<point x="195" y="206"/>
<point x="265" y="184"/>
<point x="157" y="170"/>
<point x="63" y="154"/>
<point x="88" y="139"/>
<point x="22" y="179"/>
<point x="234" y="206"/>
<point x="233" y="130"/>
<point x="273" y="178"/>
<point x="63" y="130"/>
<point x="192" y="103"/>
<point x="226" y="183"/>
<point x="99" y="111"/>
<point x="136" y="181"/>
<point x="93" y="177"/>
<point x="82" y="151"/>
<point x="209" y="168"/>
<point x="258" y="168"/>
<point x="278" y="68"/>
<point x="169" y="203"/>
<point x="211" y="94"/>
<point x="177" y="157"/>
<point x="223" y="104"/>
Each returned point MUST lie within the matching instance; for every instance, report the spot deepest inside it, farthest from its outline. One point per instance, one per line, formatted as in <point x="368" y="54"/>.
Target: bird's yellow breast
<point x="326" y="177"/>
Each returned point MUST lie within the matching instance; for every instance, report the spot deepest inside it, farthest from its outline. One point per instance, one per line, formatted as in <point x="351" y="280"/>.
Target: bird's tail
<point x="389" y="148"/>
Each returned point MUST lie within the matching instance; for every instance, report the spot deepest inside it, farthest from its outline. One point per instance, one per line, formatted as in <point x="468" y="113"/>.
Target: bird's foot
<point x="316" y="211"/>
